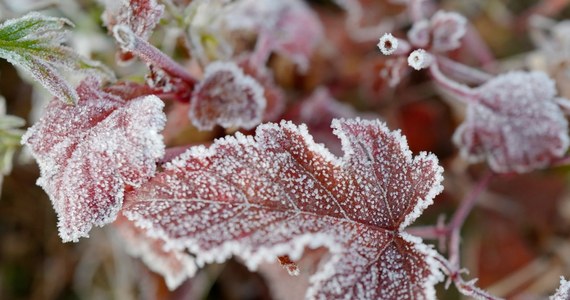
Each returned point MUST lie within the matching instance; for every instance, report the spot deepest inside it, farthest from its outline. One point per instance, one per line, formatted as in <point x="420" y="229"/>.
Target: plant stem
<point x="462" y="92"/>
<point x="150" y="54"/>
<point x="463" y="72"/>
<point x="460" y="216"/>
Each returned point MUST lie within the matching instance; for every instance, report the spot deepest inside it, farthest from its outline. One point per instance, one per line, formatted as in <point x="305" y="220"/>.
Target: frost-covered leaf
<point x="563" y="292"/>
<point x="514" y="123"/>
<point x="174" y="265"/>
<point x="317" y="112"/>
<point x="141" y="16"/>
<point x="33" y="42"/>
<point x="274" y="194"/>
<point x="227" y="97"/>
<point x="90" y="152"/>
<point x="274" y="95"/>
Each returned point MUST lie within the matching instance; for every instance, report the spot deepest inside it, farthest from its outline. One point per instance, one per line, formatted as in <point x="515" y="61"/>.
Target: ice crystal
<point x="563" y="292"/>
<point x="228" y="97"/>
<point x="419" y="59"/>
<point x="388" y="44"/>
<point x="274" y="194"/>
<point x="173" y="265"/>
<point x="88" y="153"/>
<point x="514" y="123"/>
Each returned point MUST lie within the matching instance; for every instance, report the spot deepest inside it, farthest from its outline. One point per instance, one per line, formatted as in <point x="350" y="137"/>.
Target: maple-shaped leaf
<point x="271" y="195"/>
<point x="90" y="152"/>
<point x="174" y="265"/>
<point x="227" y="97"/>
<point x="33" y="42"/>
<point x="514" y="123"/>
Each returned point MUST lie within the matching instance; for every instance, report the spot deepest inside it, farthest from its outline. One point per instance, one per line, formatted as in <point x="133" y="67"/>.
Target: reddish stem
<point x="461" y="91"/>
<point x="462" y="72"/>
<point x="150" y="54"/>
<point x="460" y="216"/>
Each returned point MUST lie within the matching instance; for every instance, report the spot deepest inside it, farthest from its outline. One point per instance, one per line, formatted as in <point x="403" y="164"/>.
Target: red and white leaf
<point x="227" y="97"/>
<point x="90" y="152"/>
<point x="514" y="123"/>
<point x="274" y="194"/>
<point x="174" y="265"/>
<point x="274" y="95"/>
<point x="563" y="292"/>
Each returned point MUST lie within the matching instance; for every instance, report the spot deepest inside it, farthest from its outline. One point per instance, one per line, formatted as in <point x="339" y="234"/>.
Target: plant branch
<point x="150" y="54"/>
<point x="462" y="92"/>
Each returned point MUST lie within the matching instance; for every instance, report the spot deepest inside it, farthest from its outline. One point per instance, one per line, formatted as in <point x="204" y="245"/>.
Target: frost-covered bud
<point x="419" y="59"/>
<point x="388" y="44"/>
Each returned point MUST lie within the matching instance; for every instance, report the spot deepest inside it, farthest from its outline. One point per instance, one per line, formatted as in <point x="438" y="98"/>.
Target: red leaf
<point x="273" y="194"/>
<point x="88" y="153"/>
<point x="274" y="95"/>
<point x="228" y="97"/>
<point x="514" y="123"/>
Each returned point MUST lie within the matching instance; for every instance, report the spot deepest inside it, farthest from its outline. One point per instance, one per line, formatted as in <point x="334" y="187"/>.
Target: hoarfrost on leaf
<point x="274" y="194"/>
<point x="514" y="123"/>
<point x="227" y="97"/>
<point x="88" y="153"/>
<point x="174" y="265"/>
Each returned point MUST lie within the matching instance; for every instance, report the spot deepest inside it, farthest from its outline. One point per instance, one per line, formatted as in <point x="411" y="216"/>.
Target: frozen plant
<point x="198" y="156"/>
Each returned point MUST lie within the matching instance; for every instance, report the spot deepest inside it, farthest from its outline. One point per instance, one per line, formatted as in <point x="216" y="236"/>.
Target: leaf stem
<point x="129" y="41"/>
<point x="462" y="92"/>
<point x="461" y="214"/>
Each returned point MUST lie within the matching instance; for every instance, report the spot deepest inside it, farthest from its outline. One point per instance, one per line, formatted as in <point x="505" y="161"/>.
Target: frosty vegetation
<point x="265" y="190"/>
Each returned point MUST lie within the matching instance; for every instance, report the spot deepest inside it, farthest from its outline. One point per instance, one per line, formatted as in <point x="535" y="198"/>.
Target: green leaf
<point x="34" y="43"/>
